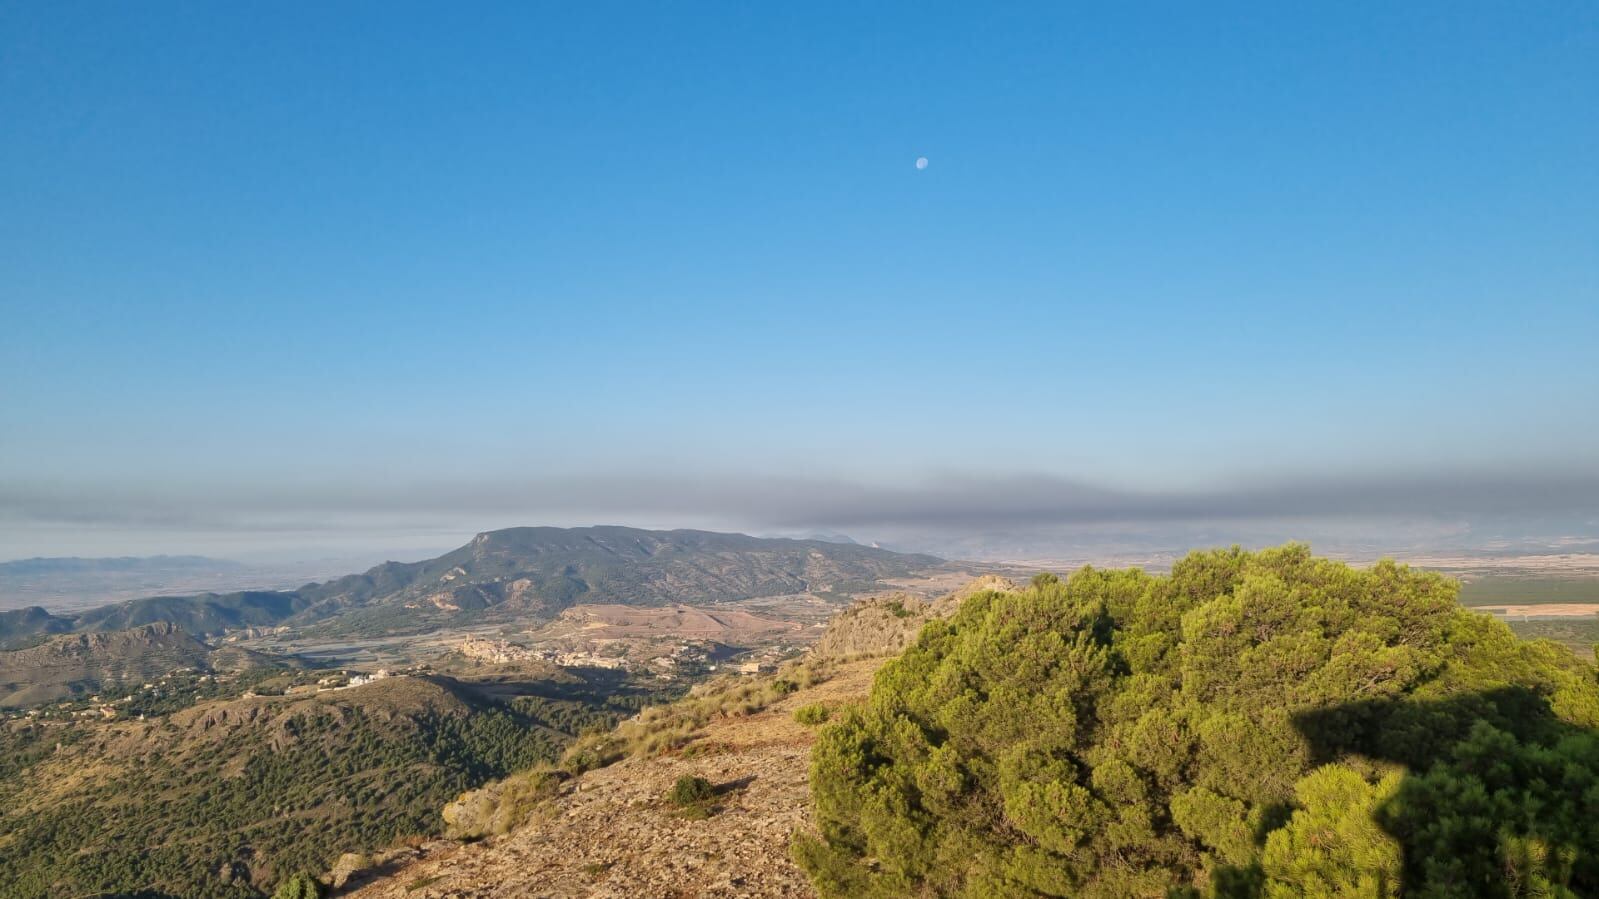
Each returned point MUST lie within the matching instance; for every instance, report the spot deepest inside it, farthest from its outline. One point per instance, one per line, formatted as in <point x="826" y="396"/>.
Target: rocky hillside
<point x="225" y="799"/>
<point x="886" y="624"/>
<point x="25" y="627"/>
<point x="522" y="572"/>
<point x="612" y="832"/>
<point x="204" y="614"/>
<point x="74" y="664"/>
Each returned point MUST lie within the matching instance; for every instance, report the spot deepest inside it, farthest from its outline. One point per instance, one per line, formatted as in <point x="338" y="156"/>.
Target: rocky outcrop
<point x="885" y="625"/>
<point x="877" y="626"/>
<point x="71" y="664"/>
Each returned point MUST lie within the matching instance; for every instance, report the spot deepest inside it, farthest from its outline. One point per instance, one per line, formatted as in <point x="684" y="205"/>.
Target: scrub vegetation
<point x="503" y="805"/>
<point x="230" y="800"/>
<point x="1254" y="724"/>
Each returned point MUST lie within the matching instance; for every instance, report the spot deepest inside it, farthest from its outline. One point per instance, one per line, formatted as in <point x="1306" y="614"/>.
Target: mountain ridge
<point x="54" y="564"/>
<point x="225" y="798"/>
<point x="64" y="665"/>
<point x="536" y="571"/>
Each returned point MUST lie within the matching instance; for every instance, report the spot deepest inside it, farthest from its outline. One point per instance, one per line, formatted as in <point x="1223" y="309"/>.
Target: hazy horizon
<point x="279" y="282"/>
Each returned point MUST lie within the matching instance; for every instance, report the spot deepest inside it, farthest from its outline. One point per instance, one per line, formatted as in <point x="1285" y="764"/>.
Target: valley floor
<point x="611" y="834"/>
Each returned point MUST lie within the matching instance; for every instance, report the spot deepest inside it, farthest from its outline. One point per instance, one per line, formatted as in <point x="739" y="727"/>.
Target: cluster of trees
<point x="215" y="819"/>
<point x="228" y="814"/>
<point x="1255" y="724"/>
<point x="575" y="716"/>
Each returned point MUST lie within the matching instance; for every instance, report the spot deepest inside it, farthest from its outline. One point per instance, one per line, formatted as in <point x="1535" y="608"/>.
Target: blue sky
<point x="272" y="269"/>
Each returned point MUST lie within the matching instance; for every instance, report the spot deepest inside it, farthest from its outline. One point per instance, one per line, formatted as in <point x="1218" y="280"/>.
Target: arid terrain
<point x="611" y="832"/>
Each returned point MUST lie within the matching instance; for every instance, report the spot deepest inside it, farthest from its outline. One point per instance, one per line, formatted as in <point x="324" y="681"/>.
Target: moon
<point x="921" y="163"/>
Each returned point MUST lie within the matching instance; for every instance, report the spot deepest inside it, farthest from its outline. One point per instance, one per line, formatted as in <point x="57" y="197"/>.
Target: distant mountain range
<point x="37" y="566"/>
<point x="522" y="572"/>
<point x="74" y="583"/>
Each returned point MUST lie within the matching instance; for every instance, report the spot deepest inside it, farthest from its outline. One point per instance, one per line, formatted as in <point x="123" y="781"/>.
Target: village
<point x="666" y="659"/>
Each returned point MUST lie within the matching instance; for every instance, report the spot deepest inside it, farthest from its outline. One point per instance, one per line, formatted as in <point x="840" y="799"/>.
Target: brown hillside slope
<point x="70" y="664"/>
<point x="611" y="834"/>
<point x="887" y="623"/>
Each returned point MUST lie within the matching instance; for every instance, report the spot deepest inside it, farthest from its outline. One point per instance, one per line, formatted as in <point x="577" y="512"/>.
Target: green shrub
<point x="697" y="812"/>
<point x="300" y="886"/>
<point x="812" y="714"/>
<point x="693" y="797"/>
<point x="690" y="790"/>
<point x="499" y="807"/>
<point x="1254" y="724"/>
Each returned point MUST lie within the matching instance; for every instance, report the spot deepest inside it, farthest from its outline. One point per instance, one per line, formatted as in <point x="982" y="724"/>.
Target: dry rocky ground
<point x="612" y="834"/>
<point x="685" y="622"/>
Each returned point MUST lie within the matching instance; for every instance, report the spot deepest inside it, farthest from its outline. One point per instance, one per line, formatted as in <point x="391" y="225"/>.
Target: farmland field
<point x="1527" y="591"/>
<point x="1565" y="610"/>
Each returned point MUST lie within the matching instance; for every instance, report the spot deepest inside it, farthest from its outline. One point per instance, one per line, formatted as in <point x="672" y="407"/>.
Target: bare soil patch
<point x="1542" y="610"/>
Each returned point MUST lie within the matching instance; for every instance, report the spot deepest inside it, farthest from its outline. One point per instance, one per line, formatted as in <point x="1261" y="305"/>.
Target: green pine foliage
<point x="300" y="886"/>
<point x="813" y="714"/>
<point x="690" y="790"/>
<point x="693" y="797"/>
<point x="327" y="783"/>
<point x="1255" y="724"/>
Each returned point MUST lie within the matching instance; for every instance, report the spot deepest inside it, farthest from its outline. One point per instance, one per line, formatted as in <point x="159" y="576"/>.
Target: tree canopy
<point x="1254" y="724"/>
